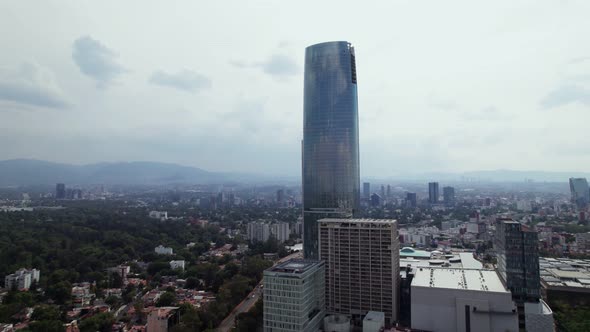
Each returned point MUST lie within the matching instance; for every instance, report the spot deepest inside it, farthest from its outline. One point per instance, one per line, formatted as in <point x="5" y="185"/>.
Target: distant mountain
<point x="492" y="176"/>
<point x="36" y="172"/>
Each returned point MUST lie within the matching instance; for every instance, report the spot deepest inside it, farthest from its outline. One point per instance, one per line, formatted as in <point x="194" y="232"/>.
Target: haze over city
<point x="450" y="87"/>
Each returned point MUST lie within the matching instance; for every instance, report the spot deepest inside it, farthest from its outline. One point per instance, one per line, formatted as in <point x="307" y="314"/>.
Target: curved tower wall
<point x="330" y="172"/>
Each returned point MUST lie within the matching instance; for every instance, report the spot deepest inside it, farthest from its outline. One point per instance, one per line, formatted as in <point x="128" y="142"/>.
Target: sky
<point x="444" y="86"/>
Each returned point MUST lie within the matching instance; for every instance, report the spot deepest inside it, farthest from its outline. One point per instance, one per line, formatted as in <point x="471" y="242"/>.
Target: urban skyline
<point x="205" y="95"/>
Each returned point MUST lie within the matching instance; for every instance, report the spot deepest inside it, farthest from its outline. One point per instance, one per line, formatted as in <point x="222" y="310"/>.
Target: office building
<point x="258" y="231"/>
<point x="433" y="192"/>
<point x="280" y="231"/>
<point x="580" y="192"/>
<point x="60" y="191"/>
<point x="517" y="253"/>
<point x="362" y="267"/>
<point x="366" y="190"/>
<point x="382" y="191"/>
<point x="294" y="296"/>
<point x="331" y="182"/>
<point x="449" y="195"/>
<point x="457" y="299"/>
<point x="411" y="200"/>
<point x="22" y="279"/>
<point x="388" y="194"/>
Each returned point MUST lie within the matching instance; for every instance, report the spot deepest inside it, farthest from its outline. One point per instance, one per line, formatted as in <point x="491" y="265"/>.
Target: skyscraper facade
<point x="331" y="181"/>
<point x="362" y="266"/>
<point x="580" y="192"/>
<point x="449" y="195"/>
<point x="517" y="253"/>
<point x="411" y="200"/>
<point x="433" y="192"/>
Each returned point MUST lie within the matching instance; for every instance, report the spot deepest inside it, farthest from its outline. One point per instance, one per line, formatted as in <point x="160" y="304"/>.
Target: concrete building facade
<point x="362" y="267"/>
<point x="462" y="300"/>
<point x="294" y="296"/>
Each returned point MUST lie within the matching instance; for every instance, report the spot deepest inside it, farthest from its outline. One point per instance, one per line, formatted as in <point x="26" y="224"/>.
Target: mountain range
<point x="17" y="172"/>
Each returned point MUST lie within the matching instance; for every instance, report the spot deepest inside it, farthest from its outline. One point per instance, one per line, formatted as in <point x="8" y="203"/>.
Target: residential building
<point x="583" y="241"/>
<point x="22" y="279"/>
<point x="463" y="300"/>
<point x="449" y="195"/>
<point x="177" y="265"/>
<point x="433" y="192"/>
<point x="258" y="231"/>
<point x="280" y="231"/>
<point x="162" y="319"/>
<point x="580" y="192"/>
<point x="362" y="267"/>
<point x="331" y="181"/>
<point x="162" y="215"/>
<point x="120" y="270"/>
<point x="294" y="296"/>
<point x="161" y="250"/>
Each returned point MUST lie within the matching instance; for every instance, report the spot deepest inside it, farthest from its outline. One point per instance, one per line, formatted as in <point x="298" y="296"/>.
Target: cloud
<point x="185" y="80"/>
<point x="566" y="94"/>
<point x="444" y="104"/>
<point x="96" y="60"/>
<point x="31" y="84"/>
<point x="278" y="66"/>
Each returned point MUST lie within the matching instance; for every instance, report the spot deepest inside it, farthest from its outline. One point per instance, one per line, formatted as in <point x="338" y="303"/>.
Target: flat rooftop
<point x="565" y="272"/>
<point x="295" y="266"/>
<point x="454" y="278"/>
<point x="358" y="221"/>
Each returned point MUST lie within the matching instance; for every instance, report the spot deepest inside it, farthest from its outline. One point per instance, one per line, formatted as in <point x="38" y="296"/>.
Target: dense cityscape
<point x="155" y="246"/>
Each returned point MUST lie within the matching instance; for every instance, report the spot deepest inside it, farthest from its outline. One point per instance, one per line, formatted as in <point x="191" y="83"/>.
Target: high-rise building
<point x="280" y="231"/>
<point x="258" y="231"/>
<point x="331" y="181"/>
<point x="388" y="191"/>
<point x="411" y="200"/>
<point x="60" y="191"/>
<point x="382" y="191"/>
<point x="362" y="267"/>
<point x="366" y="190"/>
<point x="294" y="296"/>
<point x="433" y="192"/>
<point x="21" y="279"/>
<point x="449" y="195"/>
<point x="580" y="192"/>
<point x="517" y="253"/>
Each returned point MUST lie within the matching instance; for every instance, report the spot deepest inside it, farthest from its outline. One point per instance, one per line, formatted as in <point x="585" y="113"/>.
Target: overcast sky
<point x="443" y="85"/>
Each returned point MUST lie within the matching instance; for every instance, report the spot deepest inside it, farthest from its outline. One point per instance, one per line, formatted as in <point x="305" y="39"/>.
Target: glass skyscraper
<point x="331" y="181"/>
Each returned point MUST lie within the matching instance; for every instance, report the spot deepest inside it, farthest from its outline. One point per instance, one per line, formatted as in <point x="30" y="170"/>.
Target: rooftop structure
<point x="452" y="278"/>
<point x="296" y="266"/>
<point x="446" y="300"/>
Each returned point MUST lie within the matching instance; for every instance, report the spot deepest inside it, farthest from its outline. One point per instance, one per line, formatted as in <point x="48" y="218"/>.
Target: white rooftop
<point x="358" y="221"/>
<point x="453" y="278"/>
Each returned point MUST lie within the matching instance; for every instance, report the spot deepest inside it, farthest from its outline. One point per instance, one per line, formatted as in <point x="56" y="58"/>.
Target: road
<point x="228" y="323"/>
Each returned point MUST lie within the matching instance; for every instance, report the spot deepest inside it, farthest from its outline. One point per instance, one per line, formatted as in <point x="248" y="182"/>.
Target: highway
<point x="228" y="323"/>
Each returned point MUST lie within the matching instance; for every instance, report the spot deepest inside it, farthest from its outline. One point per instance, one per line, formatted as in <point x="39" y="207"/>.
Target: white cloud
<point x="31" y="84"/>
